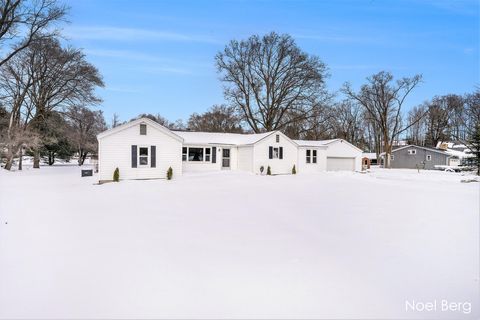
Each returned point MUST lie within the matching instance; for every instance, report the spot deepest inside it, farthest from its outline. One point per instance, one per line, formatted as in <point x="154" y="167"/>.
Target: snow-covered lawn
<point x="231" y="244"/>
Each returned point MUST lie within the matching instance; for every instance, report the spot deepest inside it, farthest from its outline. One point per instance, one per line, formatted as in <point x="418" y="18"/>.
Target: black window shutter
<point x="153" y="156"/>
<point x="281" y="153"/>
<point x="270" y="152"/>
<point x="134" y="156"/>
<point x="214" y="154"/>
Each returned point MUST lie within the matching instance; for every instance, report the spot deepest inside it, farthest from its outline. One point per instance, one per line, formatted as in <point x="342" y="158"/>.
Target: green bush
<point x="169" y="173"/>
<point x="116" y="175"/>
<point x="294" y="171"/>
<point x="269" y="171"/>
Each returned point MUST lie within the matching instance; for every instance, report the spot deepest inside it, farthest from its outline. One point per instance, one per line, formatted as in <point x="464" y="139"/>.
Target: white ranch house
<point x="144" y="149"/>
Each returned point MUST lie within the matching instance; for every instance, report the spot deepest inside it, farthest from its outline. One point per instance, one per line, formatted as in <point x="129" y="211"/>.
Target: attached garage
<point x="343" y="156"/>
<point x="332" y="155"/>
<point x="340" y="164"/>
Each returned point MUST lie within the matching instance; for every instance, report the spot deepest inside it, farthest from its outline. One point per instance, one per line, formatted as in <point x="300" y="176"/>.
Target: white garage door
<point x="340" y="164"/>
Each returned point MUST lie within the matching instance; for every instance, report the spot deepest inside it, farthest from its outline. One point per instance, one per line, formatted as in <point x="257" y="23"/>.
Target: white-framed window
<point x="277" y="138"/>
<point x="184" y="153"/>
<point x="412" y="151"/>
<point x="143" y="129"/>
<point x="275" y="153"/>
<point x="311" y="156"/>
<point x="392" y="157"/>
<point x="196" y="154"/>
<point x="143" y="156"/>
<point x="429" y="157"/>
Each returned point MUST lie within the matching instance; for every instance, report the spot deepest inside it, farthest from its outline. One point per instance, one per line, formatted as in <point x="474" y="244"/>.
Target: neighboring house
<point x="144" y="149"/>
<point x="371" y="156"/>
<point x="461" y="154"/>
<point x="413" y="157"/>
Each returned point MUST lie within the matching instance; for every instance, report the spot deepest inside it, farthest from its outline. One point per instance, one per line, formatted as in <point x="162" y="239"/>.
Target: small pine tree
<point x="116" y="175"/>
<point x="294" y="171"/>
<point x="474" y="145"/>
<point x="269" y="171"/>
<point x="169" y="173"/>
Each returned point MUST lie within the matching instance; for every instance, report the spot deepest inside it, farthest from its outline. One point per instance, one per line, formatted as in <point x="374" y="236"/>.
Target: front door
<point x="225" y="158"/>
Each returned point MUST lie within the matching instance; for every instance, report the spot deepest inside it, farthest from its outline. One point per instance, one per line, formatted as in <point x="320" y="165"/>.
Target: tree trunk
<point x="388" y="153"/>
<point x="36" y="159"/>
<point x="81" y="158"/>
<point x="10" y="154"/>
<point x="51" y="158"/>
<point x="20" y="160"/>
<point x="8" y="164"/>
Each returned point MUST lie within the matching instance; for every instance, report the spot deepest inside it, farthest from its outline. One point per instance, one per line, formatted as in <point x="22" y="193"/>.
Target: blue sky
<point x="158" y="56"/>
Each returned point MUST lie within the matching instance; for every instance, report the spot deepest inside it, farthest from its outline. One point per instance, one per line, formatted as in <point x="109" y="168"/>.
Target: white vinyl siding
<point x="245" y="158"/>
<point x="321" y="158"/>
<point x="278" y="166"/>
<point x="115" y="150"/>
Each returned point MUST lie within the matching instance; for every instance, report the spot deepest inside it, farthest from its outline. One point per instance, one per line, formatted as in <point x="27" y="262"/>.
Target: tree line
<point x="271" y="84"/>
<point x="47" y="91"/>
<point x="47" y="88"/>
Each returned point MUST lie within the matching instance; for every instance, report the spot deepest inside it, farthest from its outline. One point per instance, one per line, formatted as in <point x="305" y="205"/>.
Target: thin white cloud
<point x="165" y="70"/>
<point x="364" y="67"/>
<point x="353" y="67"/>
<point x="340" y="38"/>
<point x="463" y="7"/>
<point x="123" y="54"/>
<point x="131" y="34"/>
<point x="121" y="89"/>
<point x="154" y="64"/>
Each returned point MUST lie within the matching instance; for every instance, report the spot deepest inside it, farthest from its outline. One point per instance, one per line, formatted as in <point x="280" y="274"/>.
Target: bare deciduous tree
<point x="455" y="105"/>
<point x="383" y="100"/>
<point x="115" y="120"/>
<point x="437" y="122"/>
<point x="15" y="81"/>
<point x="417" y="132"/>
<point x="85" y="124"/>
<point x="347" y="122"/>
<point x="219" y="118"/>
<point x="268" y="77"/>
<point x="23" y="22"/>
<point x="177" y="125"/>
<point x="61" y="78"/>
<point x="40" y="79"/>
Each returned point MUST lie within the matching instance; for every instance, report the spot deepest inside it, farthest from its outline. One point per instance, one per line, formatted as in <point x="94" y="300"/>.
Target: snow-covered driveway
<point x="230" y="244"/>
